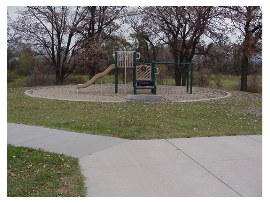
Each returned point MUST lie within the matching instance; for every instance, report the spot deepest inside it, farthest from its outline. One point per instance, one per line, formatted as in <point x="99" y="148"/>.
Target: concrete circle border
<point x="228" y="94"/>
<point x="28" y="93"/>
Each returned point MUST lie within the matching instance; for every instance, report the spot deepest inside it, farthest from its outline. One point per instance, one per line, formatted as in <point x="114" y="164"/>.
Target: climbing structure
<point x="124" y="59"/>
<point x="144" y="74"/>
<point x="144" y="78"/>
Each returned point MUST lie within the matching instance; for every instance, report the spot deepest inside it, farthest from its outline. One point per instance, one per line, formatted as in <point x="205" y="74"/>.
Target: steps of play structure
<point x="145" y="87"/>
<point x="144" y="83"/>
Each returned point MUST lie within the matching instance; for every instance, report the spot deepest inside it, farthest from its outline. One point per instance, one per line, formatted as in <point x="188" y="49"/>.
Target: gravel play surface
<point x="105" y="93"/>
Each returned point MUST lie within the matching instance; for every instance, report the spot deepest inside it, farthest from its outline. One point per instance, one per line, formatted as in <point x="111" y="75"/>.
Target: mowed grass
<point x="140" y="120"/>
<point x="33" y="173"/>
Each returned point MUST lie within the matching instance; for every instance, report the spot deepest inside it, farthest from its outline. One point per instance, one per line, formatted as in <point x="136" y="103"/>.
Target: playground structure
<point x="144" y="74"/>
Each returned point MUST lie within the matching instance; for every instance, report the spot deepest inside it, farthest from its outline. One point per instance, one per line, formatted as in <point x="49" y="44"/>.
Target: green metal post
<point x="153" y="74"/>
<point x="116" y="73"/>
<point x="134" y="73"/>
<point x="188" y="77"/>
<point x="191" y="78"/>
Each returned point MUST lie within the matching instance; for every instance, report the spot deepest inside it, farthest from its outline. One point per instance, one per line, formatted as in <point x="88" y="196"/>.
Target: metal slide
<point x="97" y="76"/>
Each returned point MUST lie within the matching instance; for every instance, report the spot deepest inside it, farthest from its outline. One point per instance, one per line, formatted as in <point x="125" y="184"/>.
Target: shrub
<point x="254" y="85"/>
<point x="218" y="81"/>
<point x="162" y="74"/>
<point x="38" y="78"/>
<point x="11" y="75"/>
<point x="201" y="79"/>
<point x="236" y="87"/>
<point x="254" y="89"/>
<point x="75" y="79"/>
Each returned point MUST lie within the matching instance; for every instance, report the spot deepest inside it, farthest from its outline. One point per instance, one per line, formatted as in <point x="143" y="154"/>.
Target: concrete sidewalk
<point x="205" y="166"/>
<point x="59" y="141"/>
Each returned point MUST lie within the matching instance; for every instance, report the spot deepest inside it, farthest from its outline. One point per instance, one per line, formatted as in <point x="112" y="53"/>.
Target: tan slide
<point x="97" y="76"/>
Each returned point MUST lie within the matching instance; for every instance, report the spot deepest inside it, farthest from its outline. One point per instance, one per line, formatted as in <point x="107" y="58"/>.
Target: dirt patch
<point x="105" y="93"/>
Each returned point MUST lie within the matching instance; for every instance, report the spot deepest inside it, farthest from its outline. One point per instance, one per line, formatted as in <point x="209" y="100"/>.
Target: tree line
<point x="82" y="39"/>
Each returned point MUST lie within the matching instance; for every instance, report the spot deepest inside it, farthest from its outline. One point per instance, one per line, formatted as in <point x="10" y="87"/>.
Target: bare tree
<point x="51" y="32"/>
<point x="96" y="31"/>
<point x="248" y="21"/>
<point x="145" y="39"/>
<point x="67" y="36"/>
<point x="182" y="29"/>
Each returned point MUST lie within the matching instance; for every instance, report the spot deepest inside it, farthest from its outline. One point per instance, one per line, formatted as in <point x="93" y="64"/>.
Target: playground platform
<point x="183" y="167"/>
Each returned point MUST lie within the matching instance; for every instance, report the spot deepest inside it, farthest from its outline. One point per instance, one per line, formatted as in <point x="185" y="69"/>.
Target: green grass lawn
<point x="138" y="120"/>
<point x="35" y="173"/>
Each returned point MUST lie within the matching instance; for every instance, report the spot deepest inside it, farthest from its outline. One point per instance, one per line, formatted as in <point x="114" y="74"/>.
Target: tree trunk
<point x="177" y="75"/>
<point x="184" y="75"/>
<point x="59" y="80"/>
<point x="181" y="75"/>
<point x="60" y="75"/>
<point x="92" y="72"/>
<point x="244" y="73"/>
<point x="184" y="79"/>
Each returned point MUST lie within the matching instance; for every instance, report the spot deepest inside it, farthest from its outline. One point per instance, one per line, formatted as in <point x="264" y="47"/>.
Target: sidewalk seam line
<point x="204" y="168"/>
<point x="105" y="148"/>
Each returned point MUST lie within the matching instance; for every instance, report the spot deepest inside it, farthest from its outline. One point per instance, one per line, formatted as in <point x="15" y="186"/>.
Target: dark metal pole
<point x="188" y="78"/>
<point x="153" y="74"/>
<point x="134" y="73"/>
<point x="191" y="78"/>
<point x="116" y="73"/>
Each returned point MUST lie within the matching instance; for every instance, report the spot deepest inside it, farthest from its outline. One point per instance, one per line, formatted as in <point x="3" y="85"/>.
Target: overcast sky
<point x="12" y="10"/>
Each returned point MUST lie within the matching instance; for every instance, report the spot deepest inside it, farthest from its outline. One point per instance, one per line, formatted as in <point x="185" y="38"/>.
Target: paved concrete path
<point x="205" y="166"/>
<point x="59" y="141"/>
